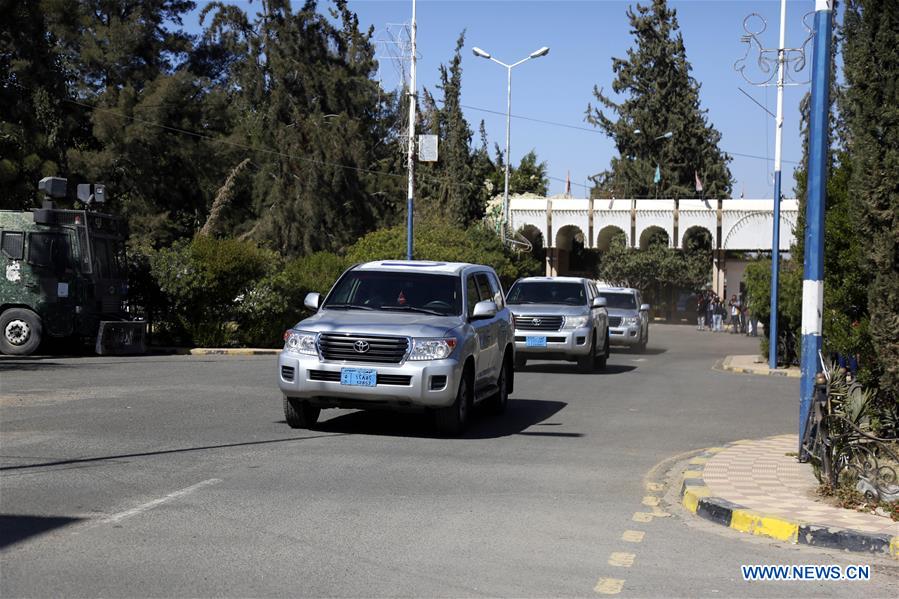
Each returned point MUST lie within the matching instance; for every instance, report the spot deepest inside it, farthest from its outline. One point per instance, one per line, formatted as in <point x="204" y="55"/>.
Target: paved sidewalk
<point x="756" y="365"/>
<point x="758" y="487"/>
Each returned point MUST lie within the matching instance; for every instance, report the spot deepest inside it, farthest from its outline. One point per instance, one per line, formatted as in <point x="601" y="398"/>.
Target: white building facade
<point x="736" y="227"/>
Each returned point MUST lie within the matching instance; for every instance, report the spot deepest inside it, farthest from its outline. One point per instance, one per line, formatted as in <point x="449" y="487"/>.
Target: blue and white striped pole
<point x="775" y="235"/>
<point x="813" y="282"/>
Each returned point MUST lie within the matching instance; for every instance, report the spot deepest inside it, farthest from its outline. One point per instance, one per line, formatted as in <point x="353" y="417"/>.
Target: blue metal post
<point x="813" y="281"/>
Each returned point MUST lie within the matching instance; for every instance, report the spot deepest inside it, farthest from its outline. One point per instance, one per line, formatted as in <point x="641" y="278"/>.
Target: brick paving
<point x="759" y="475"/>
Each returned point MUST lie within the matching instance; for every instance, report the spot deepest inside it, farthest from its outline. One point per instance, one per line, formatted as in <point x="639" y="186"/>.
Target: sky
<point x="583" y="37"/>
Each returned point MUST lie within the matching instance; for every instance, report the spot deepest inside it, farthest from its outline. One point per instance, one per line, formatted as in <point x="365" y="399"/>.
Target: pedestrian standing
<point x="717" y="314"/>
<point x="709" y="298"/>
<point x="701" y="303"/>
<point x="734" y="305"/>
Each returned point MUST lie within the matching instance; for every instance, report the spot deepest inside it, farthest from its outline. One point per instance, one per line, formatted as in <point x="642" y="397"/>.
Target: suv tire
<point x="604" y="358"/>
<point x="643" y="342"/>
<point x="299" y="414"/>
<point x="20" y="332"/>
<point x="452" y="419"/>
<point x="520" y="362"/>
<point x="500" y="401"/>
<point x="587" y="362"/>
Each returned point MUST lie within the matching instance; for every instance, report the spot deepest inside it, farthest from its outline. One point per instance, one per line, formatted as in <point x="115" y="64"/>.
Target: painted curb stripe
<point x="766" y="526"/>
<point x="849" y="540"/>
<point x="696" y="497"/>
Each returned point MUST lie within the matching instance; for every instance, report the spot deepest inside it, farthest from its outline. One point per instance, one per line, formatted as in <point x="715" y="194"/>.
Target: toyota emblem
<point x="538" y="322"/>
<point x="361" y="346"/>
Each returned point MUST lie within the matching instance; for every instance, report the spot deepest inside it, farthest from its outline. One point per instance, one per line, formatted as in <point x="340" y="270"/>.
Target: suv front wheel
<point x="299" y="414"/>
<point x="452" y="419"/>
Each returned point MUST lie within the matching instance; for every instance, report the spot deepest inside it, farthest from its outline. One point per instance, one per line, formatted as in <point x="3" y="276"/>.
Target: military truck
<point x="64" y="275"/>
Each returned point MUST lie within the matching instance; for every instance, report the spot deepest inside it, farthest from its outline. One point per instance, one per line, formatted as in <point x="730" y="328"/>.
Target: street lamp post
<point x="482" y="54"/>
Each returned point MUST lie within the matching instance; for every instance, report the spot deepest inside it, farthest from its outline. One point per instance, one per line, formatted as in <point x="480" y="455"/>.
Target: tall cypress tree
<point x="871" y="67"/>
<point x="658" y="95"/>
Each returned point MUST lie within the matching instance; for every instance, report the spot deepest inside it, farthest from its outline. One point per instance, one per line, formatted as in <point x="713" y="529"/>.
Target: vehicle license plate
<point x="358" y="377"/>
<point x="535" y="342"/>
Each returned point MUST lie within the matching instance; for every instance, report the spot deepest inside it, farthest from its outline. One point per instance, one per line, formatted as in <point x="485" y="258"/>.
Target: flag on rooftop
<point x="698" y="182"/>
<point x="658" y="175"/>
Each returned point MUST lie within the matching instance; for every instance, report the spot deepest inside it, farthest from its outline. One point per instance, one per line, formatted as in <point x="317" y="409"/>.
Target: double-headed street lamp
<point x="482" y="54"/>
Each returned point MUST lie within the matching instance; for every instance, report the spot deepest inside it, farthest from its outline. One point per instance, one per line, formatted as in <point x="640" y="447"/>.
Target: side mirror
<point x="484" y="309"/>
<point x="312" y="300"/>
<point x="644" y="307"/>
<point x="600" y="302"/>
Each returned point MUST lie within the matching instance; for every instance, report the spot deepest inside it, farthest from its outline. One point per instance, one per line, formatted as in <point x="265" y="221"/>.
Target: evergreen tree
<point x="658" y="96"/>
<point x="455" y="188"/>
<point x="302" y="84"/>
<point x="37" y="124"/>
<point x="871" y="68"/>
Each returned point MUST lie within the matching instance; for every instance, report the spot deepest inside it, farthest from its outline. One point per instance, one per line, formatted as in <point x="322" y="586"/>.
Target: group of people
<point x="715" y="314"/>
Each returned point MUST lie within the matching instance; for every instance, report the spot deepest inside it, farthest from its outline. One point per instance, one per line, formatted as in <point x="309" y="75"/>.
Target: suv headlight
<point x="630" y="320"/>
<point x="575" y="322"/>
<point x="432" y="349"/>
<point x="299" y="342"/>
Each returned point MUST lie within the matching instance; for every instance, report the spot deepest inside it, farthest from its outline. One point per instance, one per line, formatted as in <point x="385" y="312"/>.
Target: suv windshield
<point x="533" y="292"/>
<point x="397" y="291"/>
<point x="622" y="301"/>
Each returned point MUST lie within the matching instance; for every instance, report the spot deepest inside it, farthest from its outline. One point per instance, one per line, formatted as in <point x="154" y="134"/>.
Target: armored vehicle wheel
<point x="20" y="332"/>
<point x="299" y="414"/>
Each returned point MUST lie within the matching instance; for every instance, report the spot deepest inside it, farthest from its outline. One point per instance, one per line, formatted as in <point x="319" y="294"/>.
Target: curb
<point x="761" y="370"/>
<point x="215" y="351"/>
<point x="696" y="497"/>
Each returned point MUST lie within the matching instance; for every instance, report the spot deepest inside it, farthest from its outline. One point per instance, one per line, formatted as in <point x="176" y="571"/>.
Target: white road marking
<point x="157" y="502"/>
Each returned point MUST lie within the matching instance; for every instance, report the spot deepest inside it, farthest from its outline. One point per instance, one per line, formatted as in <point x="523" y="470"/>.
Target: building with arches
<point x="732" y="228"/>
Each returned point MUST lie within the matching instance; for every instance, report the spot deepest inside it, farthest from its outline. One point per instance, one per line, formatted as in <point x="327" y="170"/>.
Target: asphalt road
<point x="174" y="476"/>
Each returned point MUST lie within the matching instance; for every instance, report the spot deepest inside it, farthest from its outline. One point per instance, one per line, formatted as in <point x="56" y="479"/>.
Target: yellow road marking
<point x="609" y="586"/>
<point x="633" y="536"/>
<point x="642" y="517"/>
<point x="654" y="487"/>
<point x="659" y="513"/>
<point x="698" y="461"/>
<point x="650" y="501"/>
<point x="692" y="473"/>
<point x="622" y="559"/>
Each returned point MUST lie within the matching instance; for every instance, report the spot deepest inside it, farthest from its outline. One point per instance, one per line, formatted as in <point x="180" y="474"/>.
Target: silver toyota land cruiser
<point x="402" y="335"/>
<point x="559" y="318"/>
<point x="628" y="317"/>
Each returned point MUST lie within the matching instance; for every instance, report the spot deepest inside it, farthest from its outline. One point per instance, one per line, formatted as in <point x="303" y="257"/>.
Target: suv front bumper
<point x="625" y="335"/>
<point x="412" y="385"/>
<point x="559" y="344"/>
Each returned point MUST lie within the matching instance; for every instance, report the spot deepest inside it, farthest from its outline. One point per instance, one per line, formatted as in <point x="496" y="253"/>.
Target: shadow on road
<point x="521" y="414"/>
<point x="11" y="364"/>
<point x="567" y="368"/>
<point x="147" y="454"/>
<point x="649" y="351"/>
<point x="14" y="529"/>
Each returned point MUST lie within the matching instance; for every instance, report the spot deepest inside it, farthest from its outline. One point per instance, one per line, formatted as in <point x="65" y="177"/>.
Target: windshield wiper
<point x="348" y="307"/>
<point x="414" y="309"/>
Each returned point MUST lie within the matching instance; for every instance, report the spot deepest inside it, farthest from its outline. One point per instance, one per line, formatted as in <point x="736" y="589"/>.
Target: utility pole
<point x="818" y="147"/>
<point x="775" y="236"/>
<point x="782" y="57"/>
<point x="411" y="153"/>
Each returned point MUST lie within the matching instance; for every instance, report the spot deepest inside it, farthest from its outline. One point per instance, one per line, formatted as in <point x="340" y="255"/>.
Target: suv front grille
<point x="333" y="376"/>
<point x="538" y="323"/>
<point x="614" y="321"/>
<point x="385" y="350"/>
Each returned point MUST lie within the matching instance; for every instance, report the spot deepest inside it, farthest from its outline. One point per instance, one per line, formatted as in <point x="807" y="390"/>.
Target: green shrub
<point x="275" y="302"/>
<point x="436" y="240"/>
<point x="205" y="281"/>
